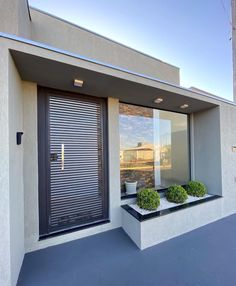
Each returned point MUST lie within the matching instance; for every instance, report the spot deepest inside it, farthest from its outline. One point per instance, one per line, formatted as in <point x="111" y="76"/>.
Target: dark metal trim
<point x="28" y="9"/>
<point x="141" y="217"/>
<point x="42" y="165"/>
<point x="189" y="132"/>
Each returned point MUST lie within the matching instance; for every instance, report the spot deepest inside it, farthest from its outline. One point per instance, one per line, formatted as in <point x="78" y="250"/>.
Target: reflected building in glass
<point x="154" y="147"/>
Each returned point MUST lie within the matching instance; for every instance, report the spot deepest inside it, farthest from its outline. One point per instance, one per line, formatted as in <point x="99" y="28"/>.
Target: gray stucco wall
<point x="207" y="149"/>
<point x="234" y="44"/>
<point x="47" y="29"/>
<point x="16" y="190"/>
<point x="5" y="273"/>
<point x="14" y="18"/>
<point x="30" y="163"/>
<point x="12" y="248"/>
<point x="50" y="30"/>
<point x="228" y="140"/>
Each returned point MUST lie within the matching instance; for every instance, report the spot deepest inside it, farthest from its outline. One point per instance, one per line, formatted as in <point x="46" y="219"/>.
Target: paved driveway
<point x="204" y="257"/>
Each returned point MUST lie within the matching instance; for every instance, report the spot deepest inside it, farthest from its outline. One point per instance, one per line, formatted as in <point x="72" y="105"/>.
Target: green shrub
<point x="148" y="199"/>
<point x="196" y="189"/>
<point x="176" y="194"/>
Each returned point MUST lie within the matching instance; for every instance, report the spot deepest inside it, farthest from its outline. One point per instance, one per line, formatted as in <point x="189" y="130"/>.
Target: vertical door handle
<point x="62" y="156"/>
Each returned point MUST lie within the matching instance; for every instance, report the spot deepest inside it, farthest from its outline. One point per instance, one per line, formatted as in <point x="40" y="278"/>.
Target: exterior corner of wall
<point x="132" y="228"/>
<point x="5" y="254"/>
<point x="16" y="183"/>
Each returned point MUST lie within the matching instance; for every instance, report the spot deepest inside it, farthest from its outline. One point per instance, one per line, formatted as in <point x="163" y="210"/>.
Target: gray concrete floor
<point x="204" y="257"/>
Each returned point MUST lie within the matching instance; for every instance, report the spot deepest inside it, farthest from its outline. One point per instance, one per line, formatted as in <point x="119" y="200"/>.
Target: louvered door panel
<point x="76" y="179"/>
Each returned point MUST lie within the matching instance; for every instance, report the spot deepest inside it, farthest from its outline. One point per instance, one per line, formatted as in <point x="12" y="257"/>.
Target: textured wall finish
<point x="14" y="18"/>
<point x="50" y="30"/>
<point x="17" y="239"/>
<point x="5" y="271"/>
<point x="233" y="8"/>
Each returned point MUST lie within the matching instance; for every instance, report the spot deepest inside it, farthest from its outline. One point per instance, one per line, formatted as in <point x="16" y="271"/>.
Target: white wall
<point x="163" y="228"/>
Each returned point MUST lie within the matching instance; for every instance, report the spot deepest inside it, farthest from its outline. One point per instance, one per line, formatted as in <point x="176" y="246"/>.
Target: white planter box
<point x="169" y="223"/>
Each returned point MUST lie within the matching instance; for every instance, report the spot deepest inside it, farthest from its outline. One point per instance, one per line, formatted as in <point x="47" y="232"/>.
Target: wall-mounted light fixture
<point x="19" y="137"/>
<point x="158" y="100"/>
<point x="184" y="106"/>
<point x="234" y="149"/>
<point x="78" y="82"/>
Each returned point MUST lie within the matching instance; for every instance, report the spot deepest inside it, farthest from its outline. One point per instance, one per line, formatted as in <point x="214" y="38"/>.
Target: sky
<point x="193" y="35"/>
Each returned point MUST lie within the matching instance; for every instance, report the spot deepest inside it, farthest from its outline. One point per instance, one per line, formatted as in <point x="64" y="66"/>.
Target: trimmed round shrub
<point x="148" y="199"/>
<point x="196" y="189"/>
<point x="176" y="194"/>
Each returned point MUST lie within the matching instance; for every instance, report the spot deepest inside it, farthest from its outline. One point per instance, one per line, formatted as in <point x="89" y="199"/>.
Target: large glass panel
<point x="154" y="147"/>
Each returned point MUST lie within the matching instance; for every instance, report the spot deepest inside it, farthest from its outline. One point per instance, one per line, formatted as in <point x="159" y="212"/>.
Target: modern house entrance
<point x="130" y="122"/>
<point x="72" y="161"/>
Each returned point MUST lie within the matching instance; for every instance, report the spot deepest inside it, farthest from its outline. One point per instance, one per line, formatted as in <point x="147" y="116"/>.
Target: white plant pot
<point x="131" y="187"/>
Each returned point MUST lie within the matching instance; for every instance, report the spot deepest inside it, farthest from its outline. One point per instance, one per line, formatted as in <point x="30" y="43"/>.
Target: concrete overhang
<point x="58" y="69"/>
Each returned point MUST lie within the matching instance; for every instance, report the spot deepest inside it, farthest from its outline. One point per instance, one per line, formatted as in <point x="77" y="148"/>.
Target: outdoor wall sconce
<point x="234" y="149"/>
<point x="19" y="137"/>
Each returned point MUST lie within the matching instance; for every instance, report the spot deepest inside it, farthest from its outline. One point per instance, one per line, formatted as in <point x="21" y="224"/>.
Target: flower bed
<point x="164" y="204"/>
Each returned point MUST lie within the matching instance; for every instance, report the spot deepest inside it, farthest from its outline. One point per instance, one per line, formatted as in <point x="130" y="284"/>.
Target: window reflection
<point x="153" y="147"/>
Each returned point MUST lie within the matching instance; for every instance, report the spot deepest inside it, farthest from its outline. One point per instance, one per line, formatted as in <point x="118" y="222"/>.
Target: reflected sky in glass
<point x="140" y="129"/>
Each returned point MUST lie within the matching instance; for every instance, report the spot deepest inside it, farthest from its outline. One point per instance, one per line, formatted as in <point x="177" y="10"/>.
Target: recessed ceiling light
<point x="184" y="106"/>
<point x="78" y="82"/>
<point x="158" y="100"/>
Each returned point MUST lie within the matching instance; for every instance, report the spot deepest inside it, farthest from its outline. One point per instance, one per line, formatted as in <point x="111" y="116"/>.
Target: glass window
<point x="154" y="147"/>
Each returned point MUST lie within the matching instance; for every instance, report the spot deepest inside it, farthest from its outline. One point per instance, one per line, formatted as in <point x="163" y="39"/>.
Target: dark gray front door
<point x="75" y="186"/>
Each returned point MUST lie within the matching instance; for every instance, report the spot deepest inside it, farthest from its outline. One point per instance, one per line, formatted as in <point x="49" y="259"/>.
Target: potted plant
<point x="130" y="187"/>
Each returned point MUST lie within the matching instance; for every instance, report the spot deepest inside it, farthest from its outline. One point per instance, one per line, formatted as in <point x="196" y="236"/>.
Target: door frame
<point x="44" y="160"/>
